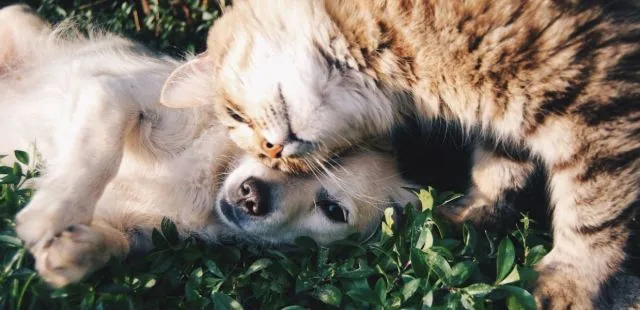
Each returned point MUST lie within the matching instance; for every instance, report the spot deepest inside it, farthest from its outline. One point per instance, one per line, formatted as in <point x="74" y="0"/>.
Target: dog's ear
<point x="20" y="28"/>
<point x="189" y="85"/>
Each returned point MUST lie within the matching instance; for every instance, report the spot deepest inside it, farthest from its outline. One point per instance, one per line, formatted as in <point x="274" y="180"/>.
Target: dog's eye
<point x="333" y="211"/>
<point x="235" y="115"/>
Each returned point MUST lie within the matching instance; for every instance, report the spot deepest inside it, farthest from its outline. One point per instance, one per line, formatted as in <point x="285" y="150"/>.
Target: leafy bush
<point x="170" y="26"/>
<point x="424" y="264"/>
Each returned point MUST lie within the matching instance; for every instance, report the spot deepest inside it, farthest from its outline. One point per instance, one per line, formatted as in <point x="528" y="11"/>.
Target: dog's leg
<point x="20" y="26"/>
<point x="89" y="156"/>
<point x="78" y="251"/>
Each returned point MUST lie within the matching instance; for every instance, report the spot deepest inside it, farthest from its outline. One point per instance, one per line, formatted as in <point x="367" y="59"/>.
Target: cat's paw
<point x="556" y="290"/>
<point x="47" y="216"/>
<point x="480" y="211"/>
<point x="469" y="208"/>
<point x="71" y="255"/>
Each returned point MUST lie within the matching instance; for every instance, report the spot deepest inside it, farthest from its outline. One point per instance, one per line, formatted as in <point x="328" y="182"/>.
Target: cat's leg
<point x="78" y="251"/>
<point x="497" y="177"/>
<point x="595" y="201"/>
<point x="595" y="194"/>
<point x="88" y="157"/>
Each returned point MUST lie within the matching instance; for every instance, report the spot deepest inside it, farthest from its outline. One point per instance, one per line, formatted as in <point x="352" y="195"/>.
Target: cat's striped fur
<point x="555" y="79"/>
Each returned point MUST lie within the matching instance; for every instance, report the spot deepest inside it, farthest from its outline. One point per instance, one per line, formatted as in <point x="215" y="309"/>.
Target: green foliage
<point x="170" y="26"/>
<point x="425" y="264"/>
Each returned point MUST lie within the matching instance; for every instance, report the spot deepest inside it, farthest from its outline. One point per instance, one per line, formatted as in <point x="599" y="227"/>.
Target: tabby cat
<point x="556" y="80"/>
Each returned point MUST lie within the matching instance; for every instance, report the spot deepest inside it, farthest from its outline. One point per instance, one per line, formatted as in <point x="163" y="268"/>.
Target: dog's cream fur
<point x="116" y="162"/>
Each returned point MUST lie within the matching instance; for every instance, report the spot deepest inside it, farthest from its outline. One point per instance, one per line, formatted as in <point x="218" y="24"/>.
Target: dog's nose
<point x="272" y="150"/>
<point x="253" y="197"/>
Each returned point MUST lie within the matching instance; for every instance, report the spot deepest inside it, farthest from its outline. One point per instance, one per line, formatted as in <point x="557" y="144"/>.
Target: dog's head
<point x="266" y="206"/>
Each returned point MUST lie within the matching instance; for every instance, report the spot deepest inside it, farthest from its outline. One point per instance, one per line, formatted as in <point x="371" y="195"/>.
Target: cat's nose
<point x="272" y="150"/>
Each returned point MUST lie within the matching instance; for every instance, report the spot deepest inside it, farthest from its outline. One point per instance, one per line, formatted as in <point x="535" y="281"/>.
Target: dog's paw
<point x="47" y="216"/>
<point x="71" y="255"/>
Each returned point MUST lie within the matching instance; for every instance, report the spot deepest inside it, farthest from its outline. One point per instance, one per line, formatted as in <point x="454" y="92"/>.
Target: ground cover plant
<point x="426" y="264"/>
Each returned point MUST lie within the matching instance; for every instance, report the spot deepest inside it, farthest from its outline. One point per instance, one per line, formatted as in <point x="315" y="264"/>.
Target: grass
<point x="425" y="264"/>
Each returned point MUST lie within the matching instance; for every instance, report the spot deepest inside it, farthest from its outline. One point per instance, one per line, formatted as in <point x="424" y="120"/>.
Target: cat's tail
<point x="20" y="29"/>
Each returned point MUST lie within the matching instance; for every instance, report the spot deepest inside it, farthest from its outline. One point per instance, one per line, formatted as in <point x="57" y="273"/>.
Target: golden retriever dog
<point x="115" y="162"/>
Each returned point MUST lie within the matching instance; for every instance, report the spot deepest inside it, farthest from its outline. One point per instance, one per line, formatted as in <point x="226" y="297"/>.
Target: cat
<point x="115" y="161"/>
<point x="555" y="81"/>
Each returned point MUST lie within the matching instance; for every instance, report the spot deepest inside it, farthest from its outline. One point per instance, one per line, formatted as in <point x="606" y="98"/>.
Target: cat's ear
<point x="189" y="85"/>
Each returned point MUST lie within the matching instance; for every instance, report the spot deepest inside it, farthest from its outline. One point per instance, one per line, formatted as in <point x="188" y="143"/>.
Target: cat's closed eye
<point x="236" y="116"/>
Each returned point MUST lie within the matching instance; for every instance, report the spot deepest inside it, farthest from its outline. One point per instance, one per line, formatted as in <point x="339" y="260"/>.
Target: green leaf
<point x="513" y="276"/>
<point x="22" y="157"/>
<point x="223" y="301"/>
<point x="169" y="231"/>
<point x="442" y="251"/>
<point x="518" y="298"/>
<point x="388" y="216"/>
<point x="461" y="272"/>
<point x="470" y="238"/>
<point x="213" y="268"/>
<point x="426" y="200"/>
<point x="453" y="300"/>
<point x="479" y="289"/>
<point x="362" y="271"/>
<point x="506" y="258"/>
<point x="527" y="275"/>
<point x="158" y="239"/>
<point x="393" y="302"/>
<point x="428" y="240"/>
<point x="427" y="299"/>
<point x="410" y="288"/>
<point x="161" y="264"/>
<point x="306" y="243"/>
<point x="535" y="254"/>
<point x="17" y="171"/>
<point x="328" y="294"/>
<point x="11" y="241"/>
<point x="191" y="291"/>
<point x="6" y="170"/>
<point x="387" y="225"/>
<point x="294" y="307"/>
<point x="419" y="263"/>
<point x="365" y="295"/>
<point x="439" y="266"/>
<point x="88" y="300"/>
<point x="381" y="290"/>
<point x="258" y="265"/>
<point x="303" y="283"/>
<point x="468" y="302"/>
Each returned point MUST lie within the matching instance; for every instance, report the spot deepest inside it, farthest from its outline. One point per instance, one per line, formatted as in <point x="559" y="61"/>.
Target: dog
<point x="115" y="162"/>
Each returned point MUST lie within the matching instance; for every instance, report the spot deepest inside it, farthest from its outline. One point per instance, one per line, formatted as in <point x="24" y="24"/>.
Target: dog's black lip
<point x="230" y="212"/>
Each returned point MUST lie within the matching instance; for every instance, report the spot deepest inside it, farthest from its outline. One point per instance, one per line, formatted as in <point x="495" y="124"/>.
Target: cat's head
<point x="284" y="84"/>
